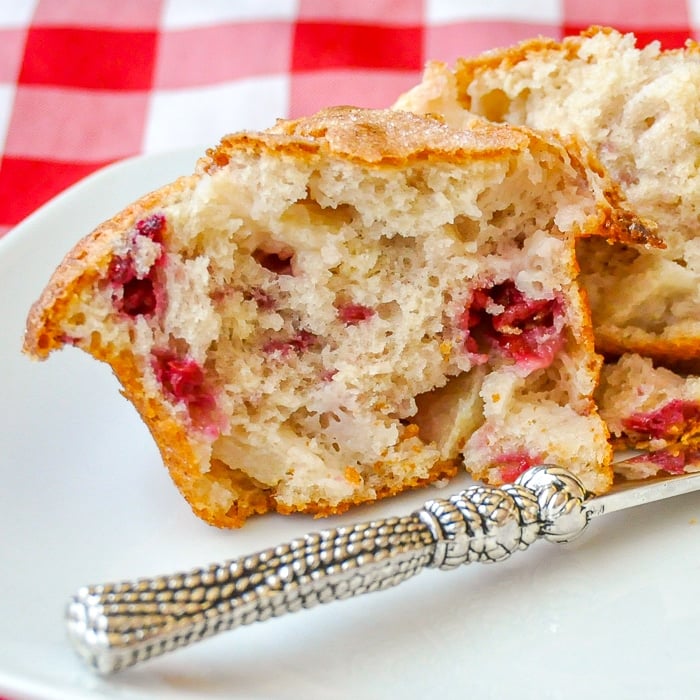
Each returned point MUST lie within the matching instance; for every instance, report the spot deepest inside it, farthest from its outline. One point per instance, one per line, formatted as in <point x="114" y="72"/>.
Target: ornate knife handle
<point x="114" y="626"/>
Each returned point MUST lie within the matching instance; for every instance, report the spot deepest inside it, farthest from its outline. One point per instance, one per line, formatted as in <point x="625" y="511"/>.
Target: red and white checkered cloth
<point x="83" y="84"/>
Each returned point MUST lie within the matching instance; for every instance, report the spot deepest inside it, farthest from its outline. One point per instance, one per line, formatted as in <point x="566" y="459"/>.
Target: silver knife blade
<point x="683" y="460"/>
<point x="116" y="625"/>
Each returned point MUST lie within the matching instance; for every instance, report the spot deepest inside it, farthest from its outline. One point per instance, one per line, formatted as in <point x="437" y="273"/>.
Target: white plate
<point x="84" y="499"/>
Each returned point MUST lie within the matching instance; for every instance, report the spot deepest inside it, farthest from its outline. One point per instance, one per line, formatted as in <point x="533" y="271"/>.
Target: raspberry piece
<point x="535" y="347"/>
<point x="303" y="340"/>
<point x="139" y="297"/>
<point x="671" y="463"/>
<point x="520" y="313"/>
<point x="68" y="339"/>
<point x="352" y="314"/>
<point x="502" y="318"/>
<point x="469" y="321"/>
<point x="121" y="270"/>
<point x="665" y="422"/>
<point x="282" y="347"/>
<point x="299" y="343"/>
<point x="513" y="464"/>
<point x="152" y="227"/>
<point x="474" y="314"/>
<point x="263" y="300"/>
<point x="183" y="380"/>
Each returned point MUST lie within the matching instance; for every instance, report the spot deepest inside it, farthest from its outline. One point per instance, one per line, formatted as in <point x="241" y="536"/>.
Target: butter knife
<point x="113" y="626"/>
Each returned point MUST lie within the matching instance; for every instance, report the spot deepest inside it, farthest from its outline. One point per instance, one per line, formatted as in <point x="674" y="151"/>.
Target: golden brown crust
<point x="680" y="353"/>
<point x="467" y="68"/>
<point x="439" y="471"/>
<point x="168" y="433"/>
<point x="374" y="137"/>
<point x="255" y="499"/>
<point x="252" y="498"/>
<point x="621" y="225"/>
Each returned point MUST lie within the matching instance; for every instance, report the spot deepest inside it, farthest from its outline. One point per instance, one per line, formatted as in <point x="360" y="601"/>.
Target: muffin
<point x="651" y="408"/>
<point x="639" y="110"/>
<point x="349" y="305"/>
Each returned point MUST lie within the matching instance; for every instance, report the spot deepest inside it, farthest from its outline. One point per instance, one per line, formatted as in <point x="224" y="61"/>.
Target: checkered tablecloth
<point x="86" y="82"/>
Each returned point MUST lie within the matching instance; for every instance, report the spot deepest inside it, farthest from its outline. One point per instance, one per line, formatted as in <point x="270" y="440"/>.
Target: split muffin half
<point x="346" y="306"/>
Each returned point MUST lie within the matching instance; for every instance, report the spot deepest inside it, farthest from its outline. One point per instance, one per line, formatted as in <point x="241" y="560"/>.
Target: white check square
<point x="179" y="118"/>
<point x="183" y="14"/>
<point x="534" y="11"/>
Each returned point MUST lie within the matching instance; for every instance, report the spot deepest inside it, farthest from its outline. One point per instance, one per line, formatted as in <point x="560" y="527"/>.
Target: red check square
<point x="27" y="184"/>
<point x="89" y="58"/>
<point x="324" y="45"/>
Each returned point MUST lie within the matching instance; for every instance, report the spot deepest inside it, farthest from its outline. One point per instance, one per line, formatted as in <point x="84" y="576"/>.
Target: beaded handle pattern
<point x="114" y="626"/>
